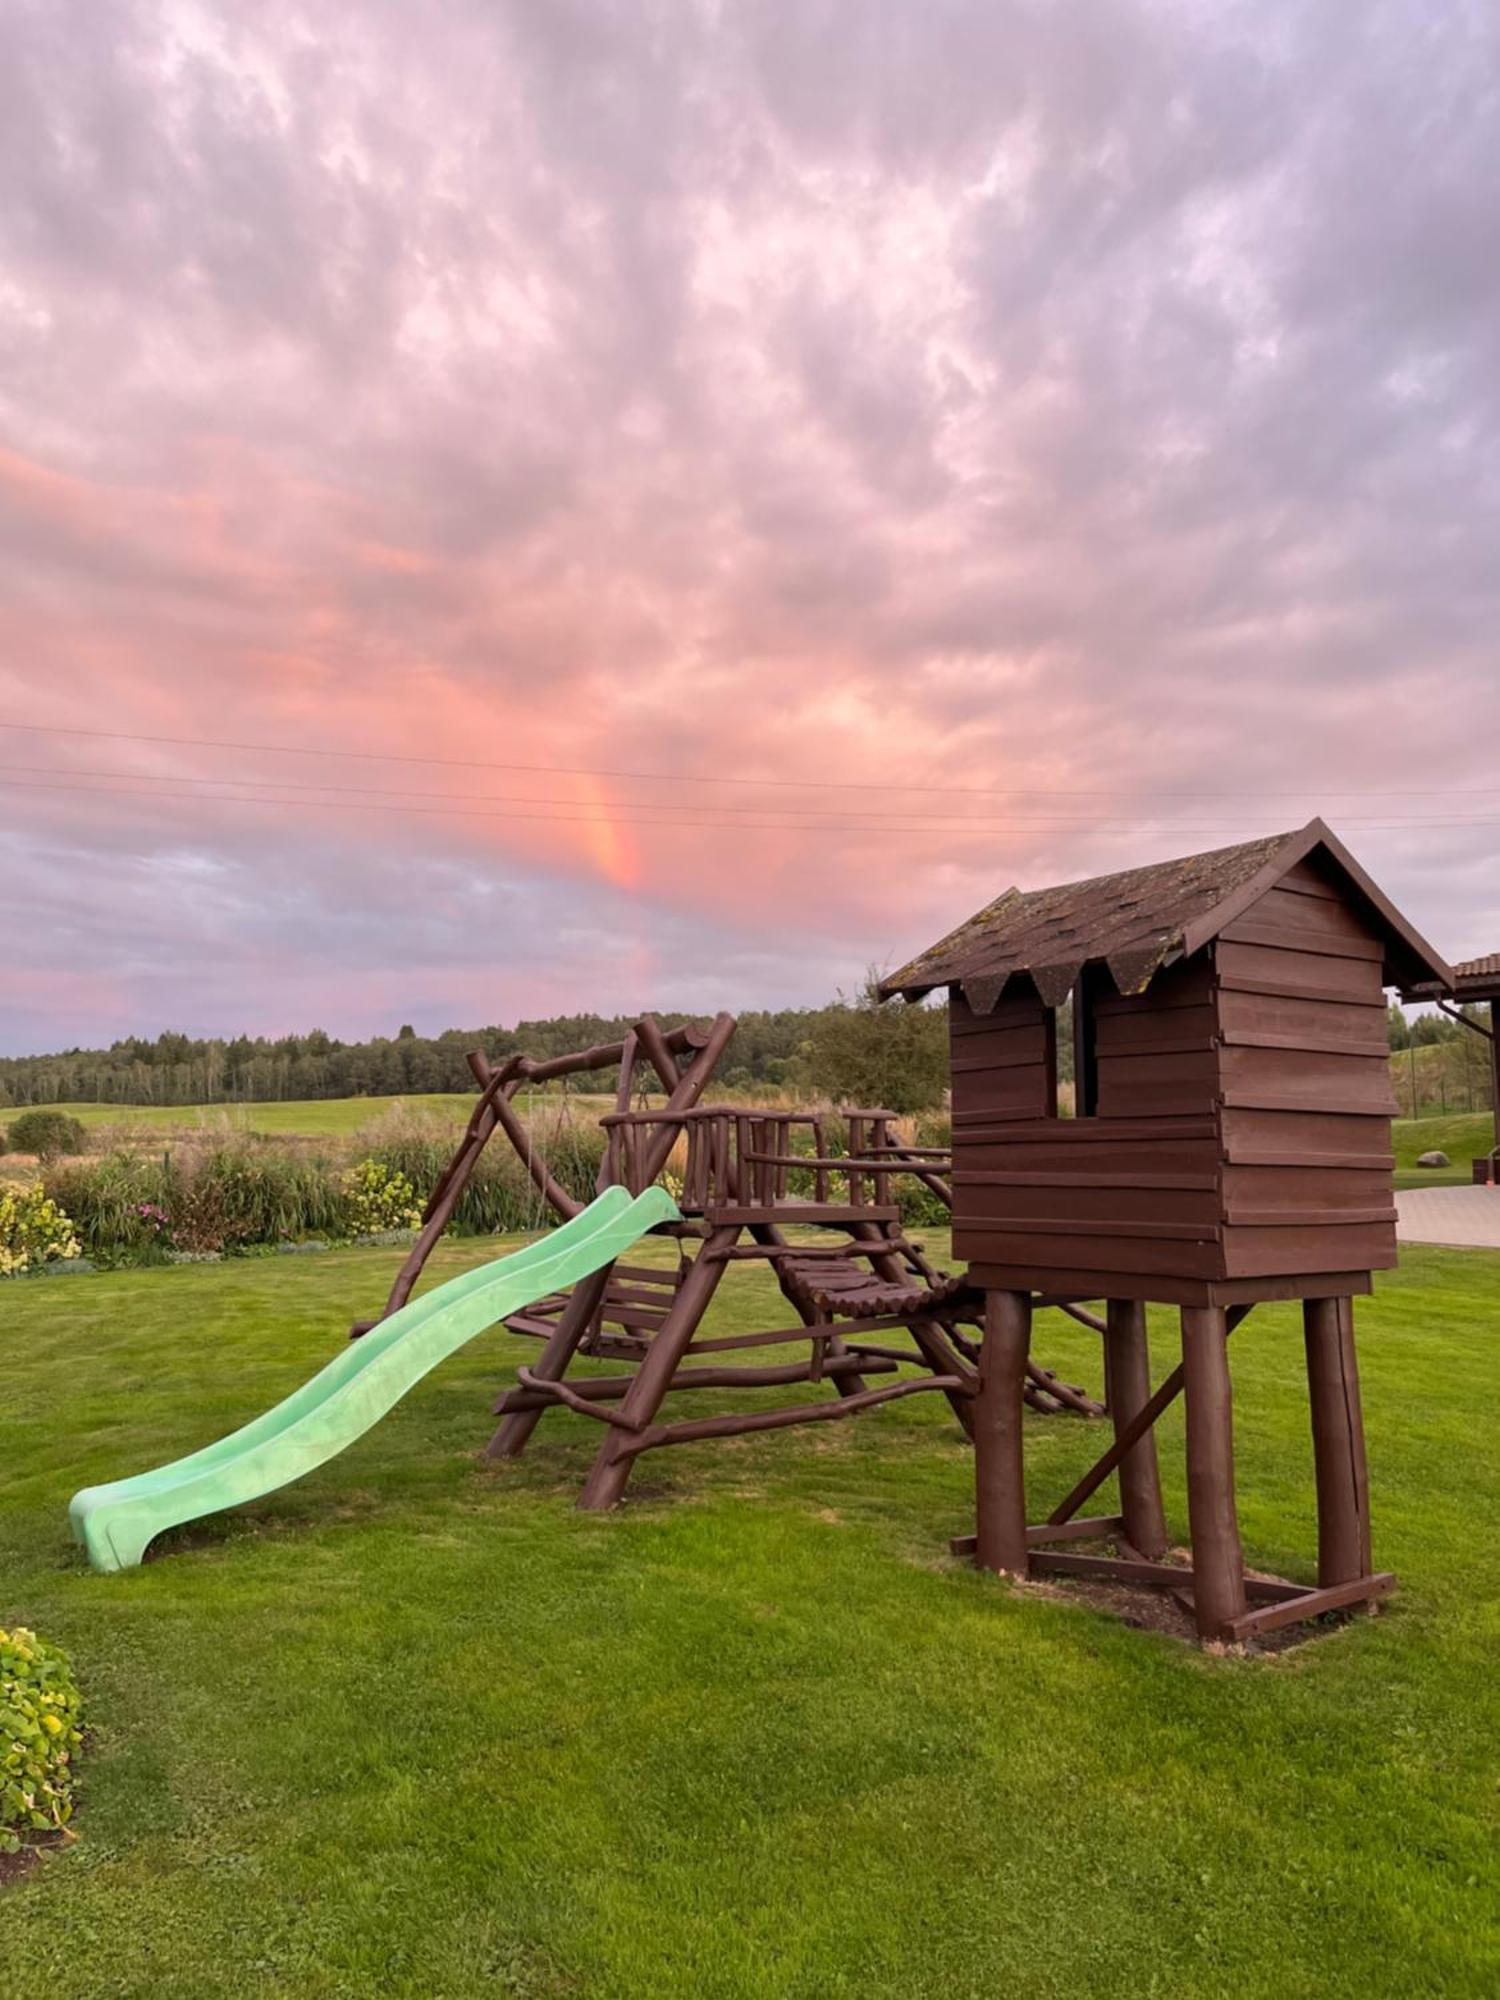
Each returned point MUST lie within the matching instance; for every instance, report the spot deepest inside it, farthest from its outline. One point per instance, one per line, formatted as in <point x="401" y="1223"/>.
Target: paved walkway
<point x="1467" y="1216"/>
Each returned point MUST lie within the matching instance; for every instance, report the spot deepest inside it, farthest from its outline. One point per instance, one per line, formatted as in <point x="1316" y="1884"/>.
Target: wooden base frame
<point x="1229" y="1606"/>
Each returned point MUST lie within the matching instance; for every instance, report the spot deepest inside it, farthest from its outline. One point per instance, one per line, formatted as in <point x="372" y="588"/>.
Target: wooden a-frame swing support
<point x="736" y="1196"/>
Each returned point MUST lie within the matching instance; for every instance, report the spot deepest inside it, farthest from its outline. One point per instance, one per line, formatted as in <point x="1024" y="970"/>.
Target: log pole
<point x="1128" y="1373"/>
<point x="1338" y="1441"/>
<point x="1218" y="1559"/>
<point x="999" y="1467"/>
<point x="653" y="1379"/>
<point x="577" y="1315"/>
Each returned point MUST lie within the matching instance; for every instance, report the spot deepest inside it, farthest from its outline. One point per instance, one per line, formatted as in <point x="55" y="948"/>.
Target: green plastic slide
<point x="358" y="1386"/>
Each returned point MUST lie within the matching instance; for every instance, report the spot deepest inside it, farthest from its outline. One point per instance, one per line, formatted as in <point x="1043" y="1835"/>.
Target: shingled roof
<point x="1138" y="921"/>
<point x="1477" y="978"/>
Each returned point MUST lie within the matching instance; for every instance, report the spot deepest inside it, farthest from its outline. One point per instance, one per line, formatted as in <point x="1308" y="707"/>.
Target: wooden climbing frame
<point x="745" y="1176"/>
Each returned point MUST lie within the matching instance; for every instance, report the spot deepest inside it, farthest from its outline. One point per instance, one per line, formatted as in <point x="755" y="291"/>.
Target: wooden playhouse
<point x="1231" y="1145"/>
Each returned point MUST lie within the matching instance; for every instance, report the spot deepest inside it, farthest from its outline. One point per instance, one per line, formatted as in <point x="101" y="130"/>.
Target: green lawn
<point x="1462" y="1135"/>
<point x="417" y="1727"/>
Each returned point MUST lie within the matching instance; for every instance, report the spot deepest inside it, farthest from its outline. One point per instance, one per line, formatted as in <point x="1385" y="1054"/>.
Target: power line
<point x="894" y="822"/>
<point x="677" y="778"/>
<point x="597" y="819"/>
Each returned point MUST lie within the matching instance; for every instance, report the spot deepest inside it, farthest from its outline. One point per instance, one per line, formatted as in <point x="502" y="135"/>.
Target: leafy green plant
<point x="33" y="1230"/>
<point x="117" y="1204"/>
<point x="48" y="1134"/>
<point x="39" y="1736"/>
<point x="379" y="1197"/>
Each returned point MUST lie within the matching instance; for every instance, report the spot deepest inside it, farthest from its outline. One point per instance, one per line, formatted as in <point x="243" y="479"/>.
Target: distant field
<point x="313" y="1117"/>
<point x="1461" y="1135"/>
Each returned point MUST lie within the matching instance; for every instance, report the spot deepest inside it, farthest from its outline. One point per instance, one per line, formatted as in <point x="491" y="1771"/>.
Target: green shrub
<point x="48" y="1134"/>
<point x="39" y="1736"/>
<point x="253" y="1192"/>
<point x="33" y="1230"/>
<point x="119" y="1205"/>
<point x="379" y="1197"/>
<point x="500" y="1196"/>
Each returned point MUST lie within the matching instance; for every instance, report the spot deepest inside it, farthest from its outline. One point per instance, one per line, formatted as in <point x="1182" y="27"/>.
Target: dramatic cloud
<point x="792" y="470"/>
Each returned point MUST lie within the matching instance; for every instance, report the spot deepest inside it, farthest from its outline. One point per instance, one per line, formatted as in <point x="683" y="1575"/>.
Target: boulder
<point x="1433" y="1159"/>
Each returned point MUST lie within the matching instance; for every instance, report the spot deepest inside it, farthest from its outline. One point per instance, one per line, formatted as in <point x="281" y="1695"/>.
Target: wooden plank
<point x="1357" y="1099"/>
<point x="1123" y="1211"/>
<point x="1311" y="1604"/>
<point x="1163" y="1287"/>
<point x="1153" y="1228"/>
<point x="1307" y="1132"/>
<point x="1112" y="1569"/>
<point x="1324" y="1216"/>
<point x="1287" y="966"/>
<point x="1247" y="1157"/>
<point x="1280" y="936"/>
<point x="986" y="1053"/>
<point x="1291" y="1195"/>
<point x="1250" y="1253"/>
<point x="1307" y="1043"/>
<point x="1114" y="1254"/>
<point x="789" y="1211"/>
<point x="1314" y="916"/>
<point x="1086" y="1177"/>
<point x="1093" y="1131"/>
<point x="1286" y="987"/>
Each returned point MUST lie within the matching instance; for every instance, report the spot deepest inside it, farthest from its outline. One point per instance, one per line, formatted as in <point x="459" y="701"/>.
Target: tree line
<point x="852" y="1051"/>
<point x="847" y="1050"/>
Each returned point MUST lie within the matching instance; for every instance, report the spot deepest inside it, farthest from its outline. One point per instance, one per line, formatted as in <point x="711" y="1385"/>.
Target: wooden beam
<point x="1164" y="1397"/>
<point x="1310" y="1604"/>
<point x="736" y="1425"/>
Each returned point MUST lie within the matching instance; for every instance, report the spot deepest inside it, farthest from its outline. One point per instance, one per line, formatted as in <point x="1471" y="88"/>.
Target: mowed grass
<point x="1462" y="1135"/>
<point x="416" y="1726"/>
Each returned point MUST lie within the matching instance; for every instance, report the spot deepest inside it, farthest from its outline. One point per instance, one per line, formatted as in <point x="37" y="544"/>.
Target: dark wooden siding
<point x="1306" y="1090"/>
<point x="1002" y="1062"/>
<point x="1133" y="1190"/>
<point x="1241" y="1144"/>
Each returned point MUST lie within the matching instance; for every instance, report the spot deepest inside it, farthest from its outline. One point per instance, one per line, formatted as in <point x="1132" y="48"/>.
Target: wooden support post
<point x="1338" y="1441"/>
<point x="1218" y="1559"/>
<point x="1128" y="1374"/>
<point x="577" y="1316"/>
<point x="999" y="1467"/>
<point x="611" y="1469"/>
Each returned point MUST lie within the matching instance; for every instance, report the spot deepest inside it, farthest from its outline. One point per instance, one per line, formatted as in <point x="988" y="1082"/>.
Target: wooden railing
<point x="767" y="1159"/>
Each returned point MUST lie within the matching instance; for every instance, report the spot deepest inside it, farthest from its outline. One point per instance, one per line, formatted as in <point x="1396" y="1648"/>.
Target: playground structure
<point x="744" y="1182"/>
<point x="1232" y="1145"/>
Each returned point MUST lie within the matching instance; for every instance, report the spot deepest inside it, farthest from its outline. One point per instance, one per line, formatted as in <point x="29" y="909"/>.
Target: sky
<point x="512" y="509"/>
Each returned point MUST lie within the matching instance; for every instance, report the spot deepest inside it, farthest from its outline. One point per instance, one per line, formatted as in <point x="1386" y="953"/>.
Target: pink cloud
<point x="1041" y="483"/>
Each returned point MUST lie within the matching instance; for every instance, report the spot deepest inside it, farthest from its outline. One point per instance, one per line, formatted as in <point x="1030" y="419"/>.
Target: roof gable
<point x="1143" y="918"/>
